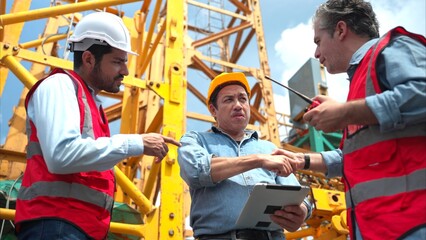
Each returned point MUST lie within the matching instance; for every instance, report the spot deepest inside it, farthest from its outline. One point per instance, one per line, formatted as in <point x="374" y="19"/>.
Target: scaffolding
<point x="178" y="56"/>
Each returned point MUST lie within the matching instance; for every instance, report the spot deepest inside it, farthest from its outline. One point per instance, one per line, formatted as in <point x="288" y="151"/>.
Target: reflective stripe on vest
<point x="87" y="130"/>
<point x="33" y="149"/>
<point x="63" y="189"/>
<point x="386" y="187"/>
<point x="372" y="134"/>
<point x="67" y="190"/>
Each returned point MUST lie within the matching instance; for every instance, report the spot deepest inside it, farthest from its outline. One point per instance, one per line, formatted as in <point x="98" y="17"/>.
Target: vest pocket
<point x="373" y="162"/>
<point x="374" y="174"/>
<point x="101" y="181"/>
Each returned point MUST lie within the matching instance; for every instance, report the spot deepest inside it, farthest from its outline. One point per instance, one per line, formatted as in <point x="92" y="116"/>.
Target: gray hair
<point x="357" y="14"/>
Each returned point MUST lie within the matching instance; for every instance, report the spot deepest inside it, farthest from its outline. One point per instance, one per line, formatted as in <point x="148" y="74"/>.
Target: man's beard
<point x="104" y="83"/>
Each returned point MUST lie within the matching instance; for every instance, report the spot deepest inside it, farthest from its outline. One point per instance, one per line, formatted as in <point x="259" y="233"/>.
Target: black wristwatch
<point x="307" y="161"/>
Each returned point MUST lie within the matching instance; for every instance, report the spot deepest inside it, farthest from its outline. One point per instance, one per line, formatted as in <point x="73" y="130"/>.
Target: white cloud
<point x="294" y="48"/>
<point x="409" y="14"/>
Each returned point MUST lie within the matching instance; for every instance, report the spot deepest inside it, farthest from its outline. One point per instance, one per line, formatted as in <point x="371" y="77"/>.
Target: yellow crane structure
<point x="178" y="56"/>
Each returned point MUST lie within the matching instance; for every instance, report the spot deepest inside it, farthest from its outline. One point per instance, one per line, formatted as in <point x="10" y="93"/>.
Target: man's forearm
<point x="358" y="113"/>
<point x="224" y="167"/>
<point x="316" y="162"/>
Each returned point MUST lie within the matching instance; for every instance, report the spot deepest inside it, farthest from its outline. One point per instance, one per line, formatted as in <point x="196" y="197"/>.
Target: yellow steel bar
<point x="11" y="34"/>
<point x="215" y="9"/>
<point x="2" y="11"/>
<point x="157" y="121"/>
<point x="130" y="103"/>
<point x="241" y="6"/>
<point x="225" y="33"/>
<point x="2" y="7"/>
<point x="172" y="215"/>
<point x="107" y="9"/>
<point x="140" y="25"/>
<point x="133" y="229"/>
<point x="37" y="57"/>
<point x="123" y="228"/>
<point x="58" y="10"/>
<point x="20" y="71"/>
<point x="151" y="226"/>
<point x="339" y="223"/>
<point x="154" y="100"/>
<point x="300" y="234"/>
<point x="147" y="44"/>
<point x="14" y="155"/>
<point x="236" y="53"/>
<point x="223" y="63"/>
<point x="16" y="139"/>
<point x="38" y="42"/>
<point x="130" y="110"/>
<point x="136" y="82"/>
<point x="159" y="88"/>
<point x="145" y="6"/>
<point x="135" y="194"/>
<point x="148" y="58"/>
<point x="140" y="19"/>
<point x="130" y="117"/>
<point x="270" y="128"/>
<point x="8" y="214"/>
<point x="152" y="179"/>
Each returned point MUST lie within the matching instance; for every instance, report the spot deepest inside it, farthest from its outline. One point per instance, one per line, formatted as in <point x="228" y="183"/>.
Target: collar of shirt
<point x="248" y="133"/>
<point x="358" y="56"/>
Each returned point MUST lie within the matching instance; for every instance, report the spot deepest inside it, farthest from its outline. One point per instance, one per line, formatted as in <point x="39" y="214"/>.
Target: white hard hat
<point x="98" y="28"/>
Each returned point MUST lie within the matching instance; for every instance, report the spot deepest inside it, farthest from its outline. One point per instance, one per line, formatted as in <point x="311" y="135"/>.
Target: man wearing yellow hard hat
<point x="221" y="167"/>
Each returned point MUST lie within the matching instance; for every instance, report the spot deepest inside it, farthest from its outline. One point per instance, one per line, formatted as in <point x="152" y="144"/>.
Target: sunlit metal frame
<point x="154" y="97"/>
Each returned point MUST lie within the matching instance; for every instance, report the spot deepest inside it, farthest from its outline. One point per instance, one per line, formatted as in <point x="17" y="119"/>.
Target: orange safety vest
<point x="384" y="173"/>
<point x="84" y="199"/>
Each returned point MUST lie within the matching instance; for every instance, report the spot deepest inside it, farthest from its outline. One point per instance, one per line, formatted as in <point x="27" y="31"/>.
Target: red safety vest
<point x="384" y="173"/>
<point x="84" y="199"/>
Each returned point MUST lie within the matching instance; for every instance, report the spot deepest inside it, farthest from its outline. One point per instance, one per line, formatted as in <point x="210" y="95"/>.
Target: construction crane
<point x="179" y="53"/>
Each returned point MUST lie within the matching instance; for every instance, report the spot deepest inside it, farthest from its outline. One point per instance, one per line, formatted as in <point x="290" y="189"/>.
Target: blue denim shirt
<point x="215" y="207"/>
<point x="401" y="68"/>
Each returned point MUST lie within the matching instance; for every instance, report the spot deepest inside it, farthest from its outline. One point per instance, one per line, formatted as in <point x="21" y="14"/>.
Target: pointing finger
<point x="171" y="140"/>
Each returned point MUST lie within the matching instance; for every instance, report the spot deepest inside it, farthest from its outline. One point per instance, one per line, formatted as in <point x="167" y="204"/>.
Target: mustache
<point x="120" y="76"/>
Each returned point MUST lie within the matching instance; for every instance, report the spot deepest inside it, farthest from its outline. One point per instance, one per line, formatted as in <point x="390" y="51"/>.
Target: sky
<point x="289" y="42"/>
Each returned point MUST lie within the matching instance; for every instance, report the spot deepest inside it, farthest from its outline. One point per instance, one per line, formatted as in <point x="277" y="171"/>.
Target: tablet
<point x="264" y="200"/>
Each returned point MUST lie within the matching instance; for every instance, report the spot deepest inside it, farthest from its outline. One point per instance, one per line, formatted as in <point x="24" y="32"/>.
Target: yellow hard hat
<point x="224" y="79"/>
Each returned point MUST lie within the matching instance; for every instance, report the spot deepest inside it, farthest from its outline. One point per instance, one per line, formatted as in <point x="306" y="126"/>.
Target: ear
<point x="212" y="110"/>
<point x="341" y="30"/>
<point x="88" y="60"/>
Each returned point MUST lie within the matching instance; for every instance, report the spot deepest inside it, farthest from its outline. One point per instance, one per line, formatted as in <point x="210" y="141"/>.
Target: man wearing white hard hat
<point x="67" y="190"/>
